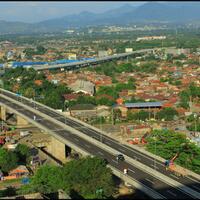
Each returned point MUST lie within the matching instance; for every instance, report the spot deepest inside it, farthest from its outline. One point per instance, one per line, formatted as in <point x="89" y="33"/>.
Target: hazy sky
<point x="41" y="10"/>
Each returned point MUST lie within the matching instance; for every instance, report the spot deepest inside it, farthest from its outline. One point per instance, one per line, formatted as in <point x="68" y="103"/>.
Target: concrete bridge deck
<point x="148" y="178"/>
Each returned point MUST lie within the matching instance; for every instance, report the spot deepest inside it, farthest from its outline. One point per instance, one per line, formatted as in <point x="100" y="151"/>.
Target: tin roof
<point x="145" y="104"/>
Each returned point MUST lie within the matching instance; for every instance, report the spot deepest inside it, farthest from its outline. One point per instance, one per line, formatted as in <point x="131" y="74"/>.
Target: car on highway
<point x="120" y="157"/>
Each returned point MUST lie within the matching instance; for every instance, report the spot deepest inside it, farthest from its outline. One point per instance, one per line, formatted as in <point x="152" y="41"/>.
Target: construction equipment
<point x="179" y="171"/>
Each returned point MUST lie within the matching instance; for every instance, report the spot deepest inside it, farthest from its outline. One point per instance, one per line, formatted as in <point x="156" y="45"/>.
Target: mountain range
<point x="184" y="12"/>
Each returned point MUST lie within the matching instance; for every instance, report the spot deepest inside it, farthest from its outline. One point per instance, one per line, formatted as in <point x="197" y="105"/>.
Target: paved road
<point x="90" y="62"/>
<point x="190" y="181"/>
<point x="148" y="180"/>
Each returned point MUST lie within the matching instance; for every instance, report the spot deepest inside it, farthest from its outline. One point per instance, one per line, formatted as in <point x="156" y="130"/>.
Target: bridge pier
<point x="3" y="113"/>
<point x="57" y="149"/>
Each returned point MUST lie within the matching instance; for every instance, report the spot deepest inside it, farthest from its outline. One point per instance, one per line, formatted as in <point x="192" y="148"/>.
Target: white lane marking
<point x="121" y="149"/>
<point x="133" y="150"/>
<point x="20" y="109"/>
<point x="170" y="192"/>
<point x="115" y="161"/>
<point x="87" y="145"/>
<point x="194" y="180"/>
<point x="136" y="158"/>
<point x="100" y="153"/>
<point x="154" y="166"/>
<point x="76" y="139"/>
<point x="195" y="187"/>
<point x="107" y="143"/>
<point x="131" y="170"/>
<point x="59" y="130"/>
<point x="174" y="176"/>
<point x="149" y="180"/>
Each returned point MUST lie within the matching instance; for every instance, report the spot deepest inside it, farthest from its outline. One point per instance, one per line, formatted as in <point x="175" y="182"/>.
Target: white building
<point x="175" y="51"/>
<point x="128" y="50"/>
<point x="85" y="87"/>
<point x="72" y="56"/>
<point x="102" y="53"/>
<point x="150" y="38"/>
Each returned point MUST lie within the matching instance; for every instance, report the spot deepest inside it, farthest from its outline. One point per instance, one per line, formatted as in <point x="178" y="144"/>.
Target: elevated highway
<point x="91" y="62"/>
<point x="92" y="141"/>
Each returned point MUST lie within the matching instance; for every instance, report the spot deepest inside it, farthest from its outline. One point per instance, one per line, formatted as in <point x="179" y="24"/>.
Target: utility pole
<point x="190" y="103"/>
<point x="195" y="123"/>
<point x="149" y="113"/>
<point x="101" y="129"/>
<point x="64" y="111"/>
<point x="154" y="158"/>
<point x="112" y="117"/>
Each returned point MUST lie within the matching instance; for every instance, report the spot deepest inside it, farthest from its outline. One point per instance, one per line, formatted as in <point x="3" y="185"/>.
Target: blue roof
<point x="1" y="65"/>
<point x="145" y="104"/>
<point x="63" y="61"/>
<point x="19" y="64"/>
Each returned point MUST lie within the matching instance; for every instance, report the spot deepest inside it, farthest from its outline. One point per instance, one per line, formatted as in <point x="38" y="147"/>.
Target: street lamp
<point x="101" y="136"/>
<point x="155" y="154"/>
<point x="64" y="111"/>
<point x="38" y="97"/>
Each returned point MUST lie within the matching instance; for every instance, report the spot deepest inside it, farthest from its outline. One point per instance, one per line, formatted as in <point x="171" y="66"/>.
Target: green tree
<point x="130" y="115"/>
<point x="23" y="152"/>
<point x="105" y="101"/>
<point x="47" y="180"/>
<point x="8" y="160"/>
<point x="86" y="176"/>
<point x="29" y="52"/>
<point x="141" y="115"/>
<point x="40" y="50"/>
<point x="53" y="100"/>
<point x="167" y="114"/>
<point x="116" y="115"/>
<point x="29" y="92"/>
<point x="168" y="143"/>
<point x="107" y="90"/>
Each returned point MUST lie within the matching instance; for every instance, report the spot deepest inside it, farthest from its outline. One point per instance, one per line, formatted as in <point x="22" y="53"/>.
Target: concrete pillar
<point x="57" y="149"/>
<point x="3" y="113"/>
<point x="21" y="121"/>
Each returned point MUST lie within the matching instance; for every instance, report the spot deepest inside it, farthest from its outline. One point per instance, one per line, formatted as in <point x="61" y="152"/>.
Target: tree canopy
<point x="8" y="160"/>
<point x="85" y="176"/>
<point x="166" y="144"/>
<point x="167" y="113"/>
